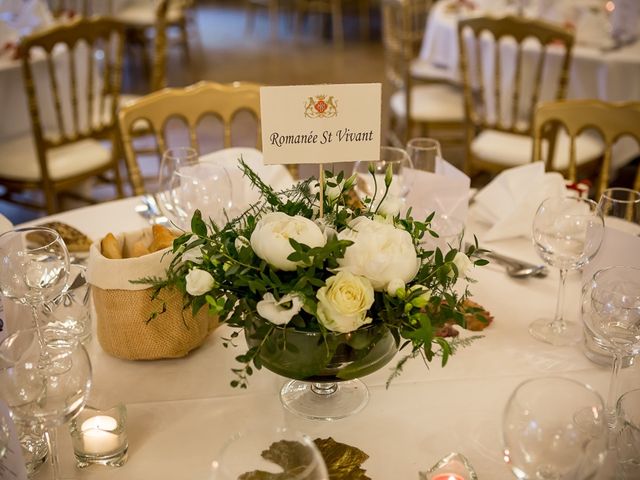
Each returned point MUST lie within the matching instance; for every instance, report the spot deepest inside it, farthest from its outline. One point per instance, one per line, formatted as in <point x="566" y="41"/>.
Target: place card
<point x="12" y="465"/>
<point x="321" y="123"/>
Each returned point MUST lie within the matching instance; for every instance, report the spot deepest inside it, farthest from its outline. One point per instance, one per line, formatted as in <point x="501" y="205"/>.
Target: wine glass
<point x="423" y="153"/>
<point x="614" y="320"/>
<point x="274" y="452"/>
<point x="371" y="175"/>
<point x="34" y="267"/>
<point x="620" y="208"/>
<point x="187" y="185"/>
<point x="552" y="429"/>
<point x="567" y="233"/>
<point x="45" y="377"/>
<point x="628" y="437"/>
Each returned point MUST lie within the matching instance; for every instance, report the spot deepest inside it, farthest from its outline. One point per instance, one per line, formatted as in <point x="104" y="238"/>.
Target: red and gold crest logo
<point x="321" y="107"/>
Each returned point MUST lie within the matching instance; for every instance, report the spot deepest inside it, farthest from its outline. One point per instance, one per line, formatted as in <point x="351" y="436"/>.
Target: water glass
<point x="628" y="436"/>
<point x="372" y="186"/>
<point x="71" y="310"/>
<point x="552" y="429"/>
<point x="270" y="450"/>
<point x="424" y="153"/>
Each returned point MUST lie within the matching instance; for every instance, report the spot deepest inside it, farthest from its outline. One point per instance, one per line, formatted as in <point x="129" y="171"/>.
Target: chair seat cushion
<point x="426" y="70"/>
<point x="511" y="149"/>
<point x="430" y="103"/>
<point x="143" y="14"/>
<point x="19" y="160"/>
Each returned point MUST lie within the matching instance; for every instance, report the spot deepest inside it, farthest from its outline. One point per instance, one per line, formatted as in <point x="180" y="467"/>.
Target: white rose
<point x="273" y="310"/>
<point x="462" y="263"/>
<point x="199" y="282"/>
<point x="380" y="252"/>
<point x="344" y="301"/>
<point x="393" y="287"/>
<point x="270" y="239"/>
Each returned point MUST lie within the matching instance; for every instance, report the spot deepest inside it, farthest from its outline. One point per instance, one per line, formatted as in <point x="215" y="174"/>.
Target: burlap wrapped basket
<point x="123" y="308"/>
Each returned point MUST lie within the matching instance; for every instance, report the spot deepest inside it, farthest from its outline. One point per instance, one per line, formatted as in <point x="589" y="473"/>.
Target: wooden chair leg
<point x="184" y="38"/>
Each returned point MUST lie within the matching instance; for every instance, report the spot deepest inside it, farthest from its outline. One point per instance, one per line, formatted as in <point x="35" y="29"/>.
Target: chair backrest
<point x="190" y="104"/>
<point x="159" y="70"/>
<point x="610" y="120"/>
<point x="85" y="8"/>
<point x="72" y="76"/>
<point x="403" y="26"/>
<point x="502" y="69"/>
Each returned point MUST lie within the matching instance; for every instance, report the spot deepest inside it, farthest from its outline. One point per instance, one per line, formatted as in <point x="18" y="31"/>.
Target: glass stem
<point x="324" y="388"/>
<point x="37" y="326"/>
<point x="612" y="399"/>
<point x="52" y="441"/>
<point x="558" y="320"/>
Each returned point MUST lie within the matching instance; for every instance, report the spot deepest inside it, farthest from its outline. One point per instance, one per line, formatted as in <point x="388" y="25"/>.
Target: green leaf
<point x="197" y="224"/>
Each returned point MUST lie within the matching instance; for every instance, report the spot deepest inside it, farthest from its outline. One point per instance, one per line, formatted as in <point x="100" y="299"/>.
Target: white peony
<point x="380" y="252"/>
<point x="390" y="206"/>
<point x="270" y="239"/>
<point x="463" y="263"/>
<point x="274" y="310"/>
<point x="344" y="301"/>
<point x="199" y="282"/>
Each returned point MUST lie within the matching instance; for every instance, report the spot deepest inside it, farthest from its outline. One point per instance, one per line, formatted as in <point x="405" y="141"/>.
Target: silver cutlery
<point x="516" y="268"/>
<point x="150" y="210"/>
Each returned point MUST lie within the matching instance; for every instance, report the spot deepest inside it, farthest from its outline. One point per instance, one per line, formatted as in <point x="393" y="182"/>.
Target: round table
<point x="181" y="412"/>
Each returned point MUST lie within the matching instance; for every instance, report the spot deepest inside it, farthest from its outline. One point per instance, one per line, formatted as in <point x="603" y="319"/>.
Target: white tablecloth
<point x="182" y="411"/>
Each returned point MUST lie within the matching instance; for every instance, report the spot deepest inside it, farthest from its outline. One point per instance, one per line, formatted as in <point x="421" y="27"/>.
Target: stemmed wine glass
<point x="373" y="186"/>
<point x="614" y="320"/>
<point x="552" y="428"/>
<point x="186" y="184"/>
<point x="424" y="153"/>
<point x="269" y="452"/>
<point x="45" y="377"/>
<point x="34" y="267"/>
<point x="567" y="233"/>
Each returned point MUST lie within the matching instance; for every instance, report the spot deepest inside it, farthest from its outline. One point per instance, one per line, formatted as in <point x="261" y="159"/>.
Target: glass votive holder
<point x="453" y="466"/>
<point x="100" y="436"/>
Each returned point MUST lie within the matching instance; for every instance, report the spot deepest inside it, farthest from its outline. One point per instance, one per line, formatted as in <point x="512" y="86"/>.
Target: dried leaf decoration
<point x="343" y="461"/>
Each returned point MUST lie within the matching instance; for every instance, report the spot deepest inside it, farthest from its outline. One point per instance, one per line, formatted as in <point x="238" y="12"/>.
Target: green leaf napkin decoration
<point x="343" y="461"/>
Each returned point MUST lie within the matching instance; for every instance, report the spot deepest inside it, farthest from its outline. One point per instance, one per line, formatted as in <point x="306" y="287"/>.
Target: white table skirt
<point x="182" y="411"/>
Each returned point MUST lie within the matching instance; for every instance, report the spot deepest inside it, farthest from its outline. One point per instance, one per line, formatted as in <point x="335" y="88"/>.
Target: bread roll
<point x="162" y="238"/>
<point x="110" y="247"/>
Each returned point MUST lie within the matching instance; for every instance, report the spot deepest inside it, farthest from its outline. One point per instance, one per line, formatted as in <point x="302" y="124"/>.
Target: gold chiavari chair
<point x="190" y="105"/>
<point x="416" y="103"/>
<point x="611" y="120"/>
<point x="502" y="62"/>
<point x="72" y="75"/>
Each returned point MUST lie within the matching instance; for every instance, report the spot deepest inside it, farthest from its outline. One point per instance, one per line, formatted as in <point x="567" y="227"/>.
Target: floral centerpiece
<point x="324" y="285"/>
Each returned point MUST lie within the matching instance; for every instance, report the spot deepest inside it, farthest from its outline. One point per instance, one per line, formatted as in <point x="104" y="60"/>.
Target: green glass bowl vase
<point x="324" y="367"/>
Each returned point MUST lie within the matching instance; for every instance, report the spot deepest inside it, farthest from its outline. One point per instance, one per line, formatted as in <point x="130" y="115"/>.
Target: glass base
<point x="34" y="450"/>
<point x="544" y="330"/>
<point x="324" y="401"/>
<point x="116" y="460"/>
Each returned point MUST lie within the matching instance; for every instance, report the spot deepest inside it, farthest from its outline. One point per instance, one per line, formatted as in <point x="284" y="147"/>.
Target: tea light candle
<point x="97" y="435"/>
<point x="447" y="476"/>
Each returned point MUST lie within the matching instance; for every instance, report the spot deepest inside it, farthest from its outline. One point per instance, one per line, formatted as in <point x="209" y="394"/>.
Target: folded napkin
<point x="592" y="27"/>
<point x="243" y="193"/>
<point x="8" y="35"/>
<point x="5" y="224"/>
<point x="509" y="202"/>
<point x="446" y="191"/>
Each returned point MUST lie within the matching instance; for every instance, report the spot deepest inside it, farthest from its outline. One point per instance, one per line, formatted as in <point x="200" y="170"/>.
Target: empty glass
<point x="567" y="233"/>
<point x="552" y="429"/>
<point x="614" y="320"/>
<point x="423" y="153"/>
<point x="373" y="186"/>
<point x="270" y="452"/>
<point x="187" y="185"/>
<point x="45" y="376"/>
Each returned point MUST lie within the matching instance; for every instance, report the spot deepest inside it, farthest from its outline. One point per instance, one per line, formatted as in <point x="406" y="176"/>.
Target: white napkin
<point x="511" y="199"/>
<point x="243" y="193"/>
<point x="592" y="27"/>
<point x="34" y="14"/>
<point x="7" y="34"/>
<point x="624" y="21"/>
<point x="5" y="224"/>
<point x="446" y="191"/>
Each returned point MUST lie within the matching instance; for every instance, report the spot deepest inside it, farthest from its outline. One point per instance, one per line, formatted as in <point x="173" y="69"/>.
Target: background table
<point x="182" y="411"/>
